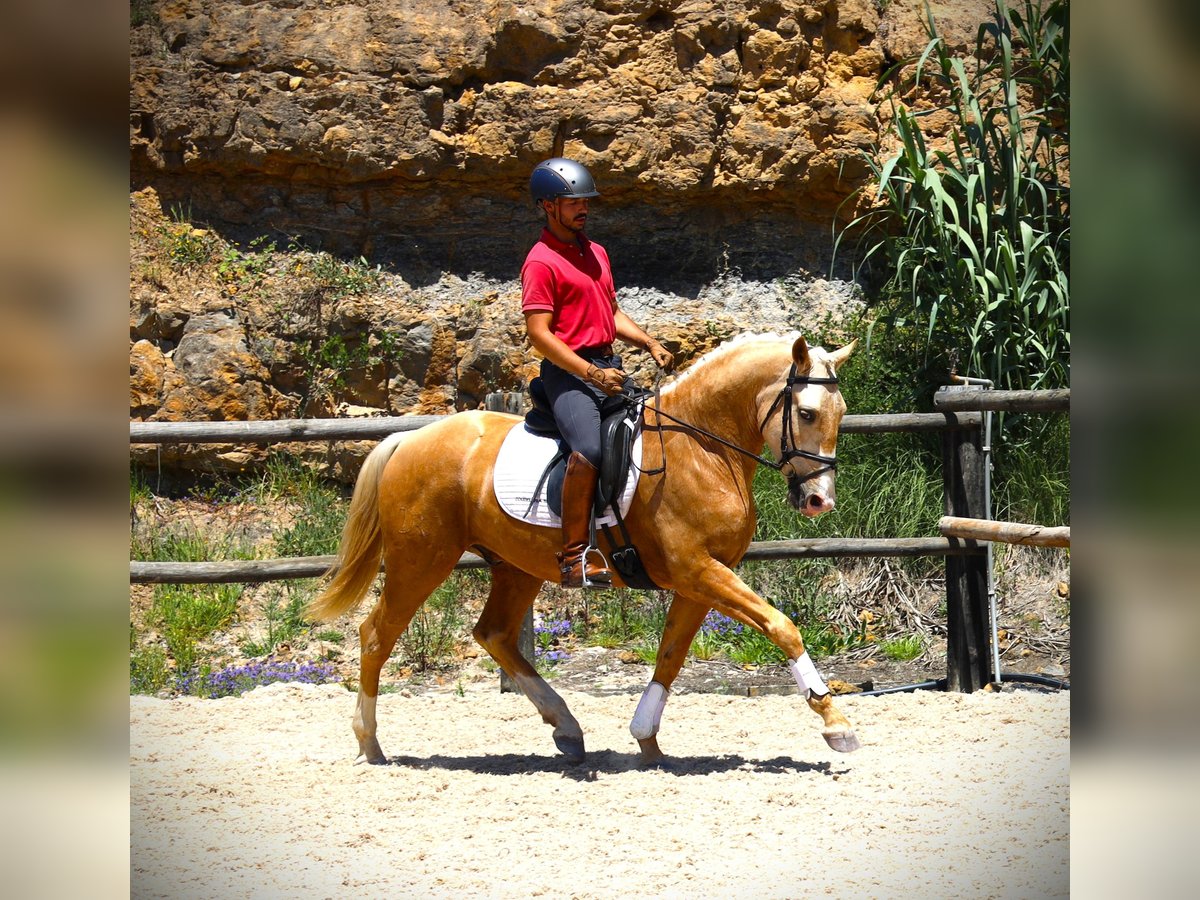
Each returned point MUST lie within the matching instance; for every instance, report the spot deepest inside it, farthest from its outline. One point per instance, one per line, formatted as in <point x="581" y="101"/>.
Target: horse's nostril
<point x="816" y="501"/>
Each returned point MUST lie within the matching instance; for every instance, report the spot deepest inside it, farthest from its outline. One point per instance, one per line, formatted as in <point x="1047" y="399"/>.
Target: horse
<point x="423" y="498"/>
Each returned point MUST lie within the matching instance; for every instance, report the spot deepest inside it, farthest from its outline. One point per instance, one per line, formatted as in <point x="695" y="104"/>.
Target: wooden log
<point x="251" y="571"/>
<point x="1007" y="532"/>
<point x="274" y="431"/>
<point x="814" y="548"/>
<point x="886" y="422"/>
<point x="285" y="430"/>
<point x="975" y="398"/>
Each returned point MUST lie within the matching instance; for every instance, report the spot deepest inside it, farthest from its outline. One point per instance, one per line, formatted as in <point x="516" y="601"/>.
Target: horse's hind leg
<point x="405" y="588"/>
<point x="497" y="631"/>
<point x="684" y="618"/>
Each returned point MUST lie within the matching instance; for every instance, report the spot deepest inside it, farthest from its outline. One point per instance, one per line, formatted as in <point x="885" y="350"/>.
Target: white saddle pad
<point x="522" y="459"/>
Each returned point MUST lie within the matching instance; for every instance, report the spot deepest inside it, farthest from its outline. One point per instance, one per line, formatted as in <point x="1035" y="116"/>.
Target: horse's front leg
<point x="498" y="630"/>
<point x="684" y="618"/>
<point x="728" y="593"/>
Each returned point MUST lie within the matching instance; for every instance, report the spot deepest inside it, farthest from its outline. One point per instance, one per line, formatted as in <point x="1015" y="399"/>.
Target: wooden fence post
<point x="967" y="639"/>
<point x="510" y="402"/>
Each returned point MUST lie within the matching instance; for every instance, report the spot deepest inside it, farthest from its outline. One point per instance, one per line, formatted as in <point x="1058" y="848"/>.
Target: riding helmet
<point x="560" y="177"/>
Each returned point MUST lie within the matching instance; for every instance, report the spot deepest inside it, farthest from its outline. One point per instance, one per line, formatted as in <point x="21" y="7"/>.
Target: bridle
<point x="788" y="453"/>
<point x="787" y="440"/>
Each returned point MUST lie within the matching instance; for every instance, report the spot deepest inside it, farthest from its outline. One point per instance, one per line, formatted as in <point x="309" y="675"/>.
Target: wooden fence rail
<point x="1007" y="532"/>
<point x="251" y="571"/>
<point x="375" y="428"/>
<point x="974" y="398"/>
<point x="959" y="418"/>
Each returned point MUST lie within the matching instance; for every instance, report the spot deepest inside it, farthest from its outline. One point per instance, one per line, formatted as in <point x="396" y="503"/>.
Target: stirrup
<point x="583" y="576"/>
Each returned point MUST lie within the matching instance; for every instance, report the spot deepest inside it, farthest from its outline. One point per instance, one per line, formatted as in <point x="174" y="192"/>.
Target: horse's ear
<point x="837" y="357"/>
<point x="800" y="355"/>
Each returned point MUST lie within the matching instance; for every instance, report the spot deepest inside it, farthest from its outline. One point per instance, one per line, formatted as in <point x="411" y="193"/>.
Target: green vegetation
<point x="903" y="648"/>
<point x="434" y="632"/>
<point x="185" y="614"/>
<point x="238" y="270"/>
<point x="283" y="609"/>
<point x="975" y="237"/>
<point x="330" y="362"/>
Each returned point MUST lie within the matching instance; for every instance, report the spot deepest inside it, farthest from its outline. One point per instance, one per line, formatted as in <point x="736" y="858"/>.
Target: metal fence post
<point x="510" y="402"/>
<point x="967" y="639"/>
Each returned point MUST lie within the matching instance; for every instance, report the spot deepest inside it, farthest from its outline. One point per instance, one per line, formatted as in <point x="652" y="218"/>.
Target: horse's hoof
<point x="652" y="757"/>
<point x="370" y="752"/>
<point x="570" y="747"/>
<point x="842" y="741"/>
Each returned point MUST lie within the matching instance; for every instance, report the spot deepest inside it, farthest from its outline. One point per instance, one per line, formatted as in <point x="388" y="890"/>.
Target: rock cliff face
<point x="726" y="137"/>
<point x="722" y="132"/>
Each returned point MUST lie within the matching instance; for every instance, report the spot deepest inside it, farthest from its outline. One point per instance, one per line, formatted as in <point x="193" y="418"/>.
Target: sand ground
<point x="257" y="796"/>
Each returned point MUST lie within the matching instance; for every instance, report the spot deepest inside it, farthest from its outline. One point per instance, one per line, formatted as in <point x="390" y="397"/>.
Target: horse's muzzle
<point x="810" y="503"/>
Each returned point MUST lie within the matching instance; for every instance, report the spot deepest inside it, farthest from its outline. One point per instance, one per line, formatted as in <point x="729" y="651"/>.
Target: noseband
<point x="787" y="440"/>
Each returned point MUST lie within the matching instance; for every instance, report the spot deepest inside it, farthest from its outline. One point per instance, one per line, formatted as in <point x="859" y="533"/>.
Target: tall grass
<point x="320" y="507"/>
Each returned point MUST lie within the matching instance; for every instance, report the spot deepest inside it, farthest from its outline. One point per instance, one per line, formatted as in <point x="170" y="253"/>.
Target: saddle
<point x="620" y="421"/>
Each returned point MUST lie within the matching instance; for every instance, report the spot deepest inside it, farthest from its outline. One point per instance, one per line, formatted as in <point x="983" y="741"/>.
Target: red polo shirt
<point x="573" y="282"/>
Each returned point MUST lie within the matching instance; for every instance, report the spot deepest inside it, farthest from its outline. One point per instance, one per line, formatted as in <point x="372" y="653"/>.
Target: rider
<point x="571" y="316"/>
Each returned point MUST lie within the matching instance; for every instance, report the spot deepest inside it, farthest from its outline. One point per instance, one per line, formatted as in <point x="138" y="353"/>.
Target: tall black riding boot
<point x="578" y="495"/>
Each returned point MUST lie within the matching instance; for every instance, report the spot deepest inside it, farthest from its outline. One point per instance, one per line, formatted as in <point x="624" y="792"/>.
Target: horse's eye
<point x="807" y="415"/>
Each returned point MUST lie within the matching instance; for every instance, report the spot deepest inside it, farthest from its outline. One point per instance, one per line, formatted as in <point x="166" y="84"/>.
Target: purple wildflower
<point x="236" y="680"/>
<point x="720" y="625"/>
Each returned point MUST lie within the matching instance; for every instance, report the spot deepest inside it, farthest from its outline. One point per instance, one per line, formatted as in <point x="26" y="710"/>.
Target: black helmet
<point x="560" y="177"/>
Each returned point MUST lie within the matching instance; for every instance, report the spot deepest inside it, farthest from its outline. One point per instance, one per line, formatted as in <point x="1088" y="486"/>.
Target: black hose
<point x="940" y="685"/>
<point x="1035" y="679"/>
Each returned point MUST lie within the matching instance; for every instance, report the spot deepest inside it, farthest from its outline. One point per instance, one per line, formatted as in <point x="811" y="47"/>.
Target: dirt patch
<point x="950" y="795"/>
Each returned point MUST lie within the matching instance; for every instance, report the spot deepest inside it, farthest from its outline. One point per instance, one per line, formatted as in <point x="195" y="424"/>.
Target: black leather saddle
<point x="620" y="422"/>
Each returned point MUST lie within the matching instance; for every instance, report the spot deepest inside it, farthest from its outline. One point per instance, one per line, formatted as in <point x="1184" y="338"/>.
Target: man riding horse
<point x="572" y="317"/>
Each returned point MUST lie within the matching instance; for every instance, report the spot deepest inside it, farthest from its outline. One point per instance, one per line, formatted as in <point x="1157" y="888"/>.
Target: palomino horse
<point x="424" y="497"/>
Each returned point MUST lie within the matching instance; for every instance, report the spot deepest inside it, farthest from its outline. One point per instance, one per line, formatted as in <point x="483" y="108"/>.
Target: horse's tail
<point x="358" y="556"/>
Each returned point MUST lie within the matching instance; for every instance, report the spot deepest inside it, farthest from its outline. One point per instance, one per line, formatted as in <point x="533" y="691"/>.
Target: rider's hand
<point x="611" y="381"/>
<point x="661" y="355"/>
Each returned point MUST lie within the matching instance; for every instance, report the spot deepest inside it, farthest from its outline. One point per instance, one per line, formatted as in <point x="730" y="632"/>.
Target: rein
<point x="786" y="453"/>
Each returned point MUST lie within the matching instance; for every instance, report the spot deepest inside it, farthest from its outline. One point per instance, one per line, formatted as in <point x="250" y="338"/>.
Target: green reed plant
<point x="319" y="507"/>
<point x="721" y="636"/>
<point x="976" y="235"/>
<point x="185" y="245"/>
<point x="626" y="616"/>
<point x="184" y="542"/>
<point x="148" y="671"/>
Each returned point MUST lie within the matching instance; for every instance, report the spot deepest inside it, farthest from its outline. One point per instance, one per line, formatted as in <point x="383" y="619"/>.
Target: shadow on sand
<point x="610" y="762"/>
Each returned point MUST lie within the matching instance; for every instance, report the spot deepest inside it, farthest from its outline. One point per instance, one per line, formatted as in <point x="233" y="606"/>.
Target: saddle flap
<point x="617" y="432"/>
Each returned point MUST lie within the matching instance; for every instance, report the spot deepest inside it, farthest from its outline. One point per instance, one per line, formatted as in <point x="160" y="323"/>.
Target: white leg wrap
<point x="649" y="712"/>
<point x="806" y="676"/>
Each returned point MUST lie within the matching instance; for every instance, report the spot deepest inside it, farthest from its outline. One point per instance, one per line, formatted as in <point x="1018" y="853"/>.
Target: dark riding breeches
<point x="576" y="404"/>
